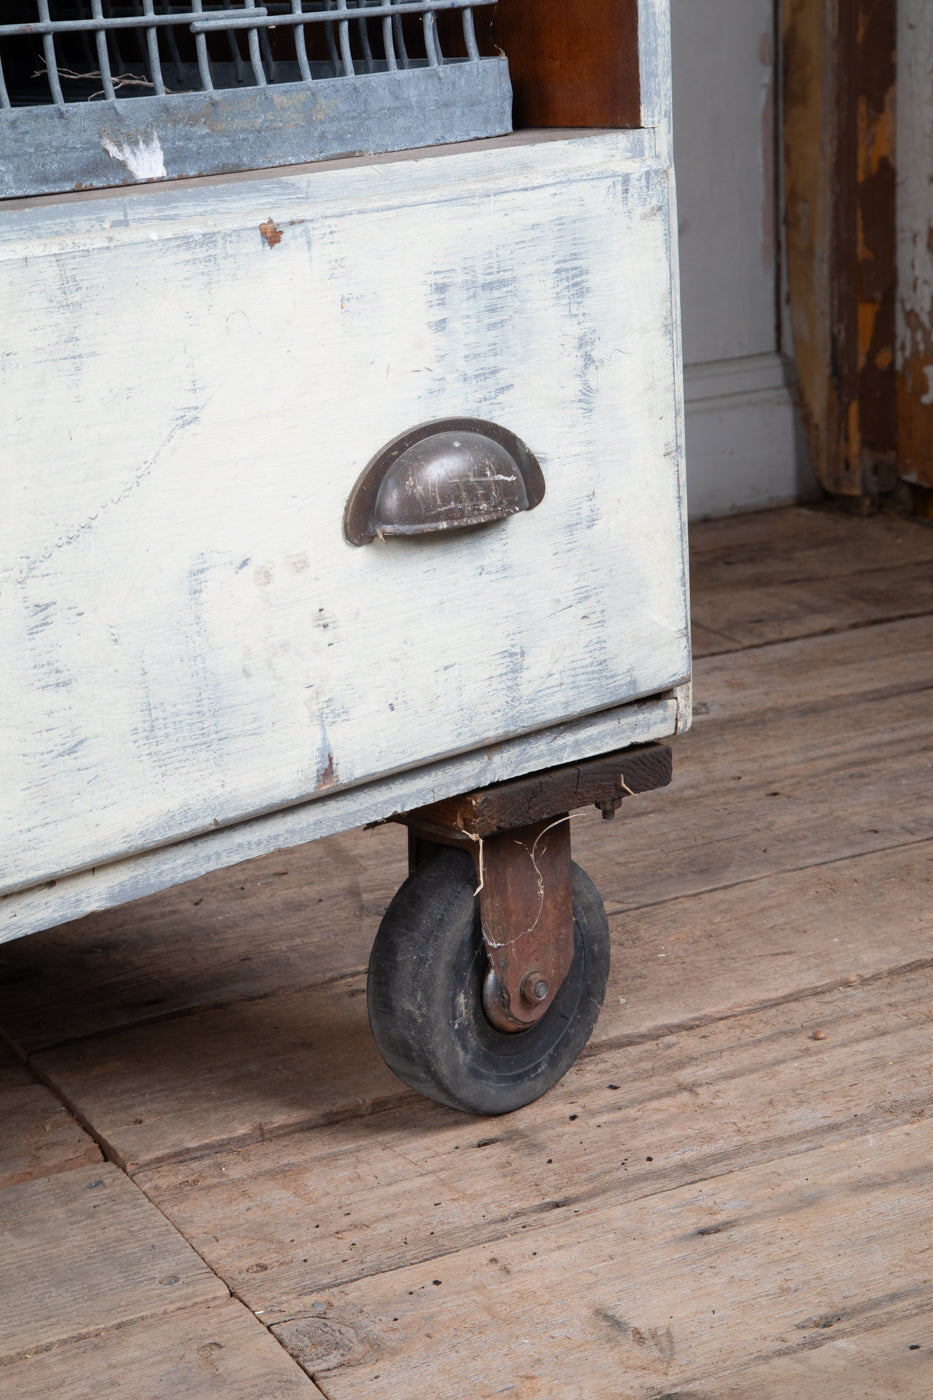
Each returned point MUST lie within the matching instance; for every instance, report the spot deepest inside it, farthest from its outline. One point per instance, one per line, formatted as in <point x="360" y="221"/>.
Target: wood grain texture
<point x="571" y="66"/>
<point x="645" y="1294"/>
<point x="39" y="1136"/>
<point x="84" y="1250"/>
<point x="251" y="1070"/>
<point x="891" y="1360"/>
<point x="283" y="1220"/>
<point x="764" y="1043"/>
<point x="199" y="1353"/>
<point x="286" y="920"/>
<point x="249" y="658"/>
<point x="802" y="572"/>
<point x="239" y="1073"/>
<point x="546" y="794"/>
<point x="839" y="93"/>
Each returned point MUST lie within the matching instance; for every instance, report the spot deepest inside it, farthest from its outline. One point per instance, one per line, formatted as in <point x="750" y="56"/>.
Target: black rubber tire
<point x="425" y="994"/>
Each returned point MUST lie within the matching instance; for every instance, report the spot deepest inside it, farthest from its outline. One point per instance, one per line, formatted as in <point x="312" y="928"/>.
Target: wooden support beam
<point x="915" y="250"/>
<point x="601" y="781"/>
<point x="839" y="87"/>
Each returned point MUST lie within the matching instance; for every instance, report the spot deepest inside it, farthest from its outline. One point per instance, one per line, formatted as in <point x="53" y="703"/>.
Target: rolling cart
<point x="348" y="491"/>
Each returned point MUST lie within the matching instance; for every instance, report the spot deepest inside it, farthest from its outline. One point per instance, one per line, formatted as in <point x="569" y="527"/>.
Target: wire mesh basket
<point x="95" y="93"/>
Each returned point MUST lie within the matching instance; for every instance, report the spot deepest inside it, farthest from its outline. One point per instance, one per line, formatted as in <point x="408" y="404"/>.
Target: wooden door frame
<point x="839" y="82"/>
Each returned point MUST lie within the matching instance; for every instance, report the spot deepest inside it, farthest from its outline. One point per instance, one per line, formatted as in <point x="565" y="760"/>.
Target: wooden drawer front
<point x="199" y="376"/>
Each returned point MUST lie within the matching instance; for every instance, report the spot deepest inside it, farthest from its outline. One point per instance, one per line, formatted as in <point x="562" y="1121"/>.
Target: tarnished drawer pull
<point x="440" y="476"/>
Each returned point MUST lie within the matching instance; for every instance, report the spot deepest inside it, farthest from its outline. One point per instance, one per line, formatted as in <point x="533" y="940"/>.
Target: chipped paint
<point x="144" y="159"/>
<point x="839" y="92"/>
<point x="271" y="233"/>
<point x="224" y="701"/>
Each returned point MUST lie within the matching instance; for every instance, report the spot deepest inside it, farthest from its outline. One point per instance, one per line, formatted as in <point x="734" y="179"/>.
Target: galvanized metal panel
<point x="98" y="144"/>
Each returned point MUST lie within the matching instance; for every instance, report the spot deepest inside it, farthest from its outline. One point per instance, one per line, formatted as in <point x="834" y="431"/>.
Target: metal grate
<point x="283" y="81"/>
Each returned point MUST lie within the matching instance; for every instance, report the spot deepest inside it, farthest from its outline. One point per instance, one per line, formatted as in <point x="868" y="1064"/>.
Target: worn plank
<point x="206" y="1351"/>
<point x="568" y="68"/>
<point x="639" y="1297"/>
<point x="752" y="615"/>
<point x="84" y="1250"/>
<point x="802" y="571"/>
<point x="859" y="665"/>
<point x="895" y="1361"/>
<point x="239" y="1072"/>
<point x="768" y="815"/>
<point x="285" y="920"/>
<point x="284" y="1219"/>
<point x="795" y="543"/>
<point x="774" y="939"/>
<point x="776" y="718"/>
<point x="39" y="1137"/>
<point x="249" y="1070"/>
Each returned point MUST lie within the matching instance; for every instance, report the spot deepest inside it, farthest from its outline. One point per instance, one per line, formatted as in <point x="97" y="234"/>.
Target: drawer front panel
<point x="195" y="387"/>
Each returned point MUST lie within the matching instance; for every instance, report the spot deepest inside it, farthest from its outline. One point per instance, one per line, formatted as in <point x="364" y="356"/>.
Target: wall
<point x="744" y="447"/>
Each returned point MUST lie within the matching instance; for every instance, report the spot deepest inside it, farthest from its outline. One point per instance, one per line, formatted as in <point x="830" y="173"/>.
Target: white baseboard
<point x="745" y="446"/>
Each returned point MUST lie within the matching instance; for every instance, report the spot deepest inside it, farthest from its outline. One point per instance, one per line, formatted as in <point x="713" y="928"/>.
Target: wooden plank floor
<point x="210" y="1183"/>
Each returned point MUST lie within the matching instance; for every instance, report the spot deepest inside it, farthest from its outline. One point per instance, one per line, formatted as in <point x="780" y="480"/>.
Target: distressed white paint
<point x="190" y="642"/>
<point x="116" y="883"/>
<point x="144" y="159"/>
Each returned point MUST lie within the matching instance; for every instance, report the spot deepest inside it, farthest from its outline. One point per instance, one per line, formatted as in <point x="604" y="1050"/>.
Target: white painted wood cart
<point x="208" y="654"/>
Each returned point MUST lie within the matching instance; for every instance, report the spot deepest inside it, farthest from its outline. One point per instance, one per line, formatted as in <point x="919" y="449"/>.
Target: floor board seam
<point x="859" y="625"/>
<point x="618" y="912"/>
<point x="844" y="983"/>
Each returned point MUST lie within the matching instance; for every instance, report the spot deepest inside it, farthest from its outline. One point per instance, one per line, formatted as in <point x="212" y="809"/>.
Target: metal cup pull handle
<point x="440" y="476"/>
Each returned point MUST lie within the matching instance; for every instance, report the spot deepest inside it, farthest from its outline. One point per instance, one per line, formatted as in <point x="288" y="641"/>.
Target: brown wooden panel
<point x="84" y="1250"/>
<point x="232" y="1077"/>
<point x="839" y="85"/>
<point x="639" y="1297"/>
<point x="571" y="65"/>
<point x="522" y="801"/>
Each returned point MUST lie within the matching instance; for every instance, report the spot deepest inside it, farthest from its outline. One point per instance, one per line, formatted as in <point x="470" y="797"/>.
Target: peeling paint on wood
<point x="176" y="673"/>
<point x="915" y="243"/>
<point x="839" y="85"/>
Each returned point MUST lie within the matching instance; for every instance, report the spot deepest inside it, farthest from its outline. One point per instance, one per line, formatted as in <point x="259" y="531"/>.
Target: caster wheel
<point x="425" y="994"/>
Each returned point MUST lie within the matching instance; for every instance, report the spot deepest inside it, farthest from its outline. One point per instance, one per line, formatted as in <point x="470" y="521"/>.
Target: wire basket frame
<point x="104" y="92"/>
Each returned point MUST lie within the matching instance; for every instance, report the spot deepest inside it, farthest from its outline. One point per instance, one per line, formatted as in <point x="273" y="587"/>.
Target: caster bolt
<point x="534" y="988"/>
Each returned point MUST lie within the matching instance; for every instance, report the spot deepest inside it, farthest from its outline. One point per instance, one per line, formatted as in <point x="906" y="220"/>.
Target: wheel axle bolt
<point x="534" y="988"/>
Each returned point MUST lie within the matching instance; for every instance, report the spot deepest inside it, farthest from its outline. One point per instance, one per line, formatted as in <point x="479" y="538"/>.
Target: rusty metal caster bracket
<point x="518" y="833"/>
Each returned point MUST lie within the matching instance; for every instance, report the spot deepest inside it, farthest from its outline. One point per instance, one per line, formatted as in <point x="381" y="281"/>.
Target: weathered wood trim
<point x="839" y="85"/>
<point x="915" y="247"/>
<point x="59" y="901"/>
